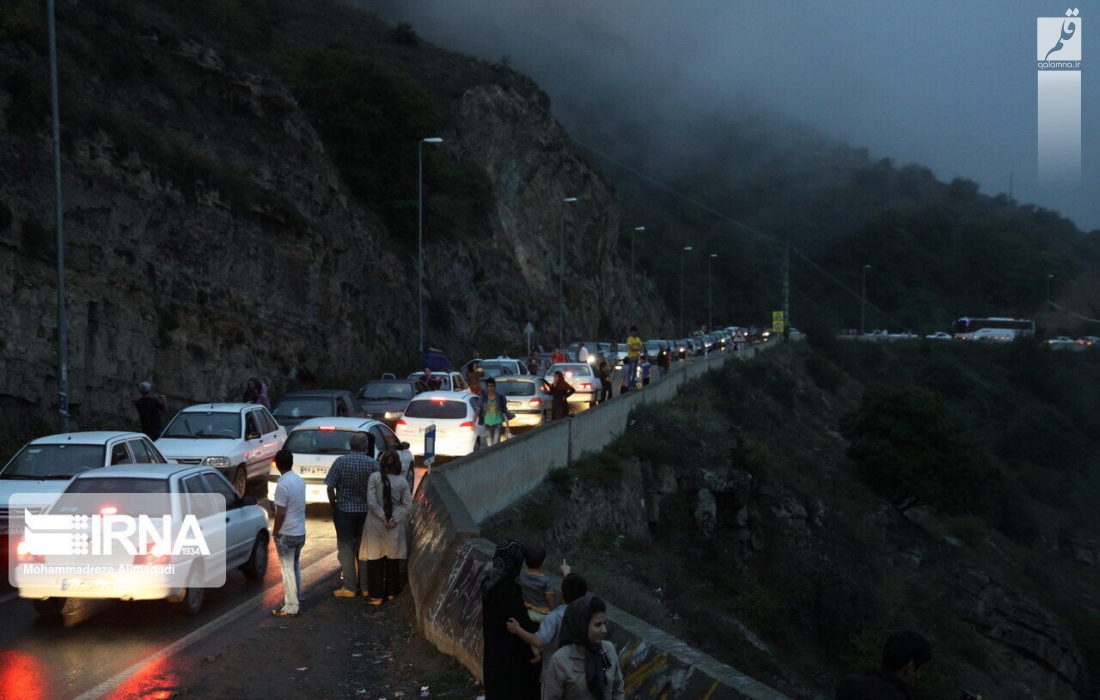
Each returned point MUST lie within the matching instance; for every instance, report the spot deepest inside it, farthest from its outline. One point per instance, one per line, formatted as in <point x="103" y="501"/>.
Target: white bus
<point x="993" y="328"/>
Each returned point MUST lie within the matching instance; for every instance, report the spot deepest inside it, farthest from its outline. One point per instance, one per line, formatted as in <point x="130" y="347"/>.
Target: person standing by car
<point x="347" y="483"/>
<point x="630" y="364"/>
<point x="384" y="546"/>
<point x="151" y="410"/>
<point x="603" y="373"/>
<point x="493" y="414"/>
<point x="256" y="392"/>
<point x="560" y="391"/>
<point x="289" y="531"/>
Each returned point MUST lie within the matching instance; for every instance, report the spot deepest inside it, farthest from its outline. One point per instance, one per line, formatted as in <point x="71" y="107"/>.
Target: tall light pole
<point x="863" y="299"/>
<point x="683" y="250"/>
<point x="710" y="297"/>
<point x="420" y="233"/>
<point x="637" y="230"/>
<point x="62" y="312"/>
<point x="561" y="272"/>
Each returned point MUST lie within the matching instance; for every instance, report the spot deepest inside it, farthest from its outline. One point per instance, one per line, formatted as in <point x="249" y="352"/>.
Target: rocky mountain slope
<point x="210" y="234"/>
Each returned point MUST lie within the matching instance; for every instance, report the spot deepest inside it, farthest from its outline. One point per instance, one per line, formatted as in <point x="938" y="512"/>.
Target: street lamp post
<point x="710" y="296"/>
<point x="637" y="230"/>
<point x="561" y="273"/>
<point x="420" y="233"/>
<point x="863" y="299"/>
<point x="683" y="250"/>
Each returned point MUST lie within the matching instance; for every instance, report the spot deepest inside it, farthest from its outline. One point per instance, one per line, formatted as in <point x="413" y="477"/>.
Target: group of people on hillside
<point x="541" y="642"/>
<point x="370" y="502"/>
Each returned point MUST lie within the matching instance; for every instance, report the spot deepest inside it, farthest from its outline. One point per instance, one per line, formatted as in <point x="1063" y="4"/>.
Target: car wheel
<point x="49" y="607"/>
<point x="256" y="566"/>
<point x="190" y="601"/>
<point x="240" y="480"/>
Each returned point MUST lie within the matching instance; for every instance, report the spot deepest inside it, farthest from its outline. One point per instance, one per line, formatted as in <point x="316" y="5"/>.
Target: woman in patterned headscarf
<point x="586" y="666"/>
<point x="508" y="673"/>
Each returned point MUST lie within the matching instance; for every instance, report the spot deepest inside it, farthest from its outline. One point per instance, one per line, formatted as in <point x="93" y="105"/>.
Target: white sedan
<point x="318" y="442"/>
<point x="454" y="415"/>
<point x="140" y="532"/>
<point x="582" y="377"/>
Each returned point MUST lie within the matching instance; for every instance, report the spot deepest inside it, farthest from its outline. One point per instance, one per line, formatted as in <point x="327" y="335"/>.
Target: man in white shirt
<point x="289" y="531"/>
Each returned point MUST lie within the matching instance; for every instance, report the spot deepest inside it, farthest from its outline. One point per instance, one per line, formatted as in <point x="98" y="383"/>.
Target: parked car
<point x="44" y="466"/>
<point x="237" y="439"/>
<point x="454" y="414"/>
<point x="1060" y="341"/>
<point x="317" y="442"/>
<point x="582" y="377"/>
<point x="527" y="399"/>
<point x="939" y="335"/>
<point x="385" y="399"/>
<point x="297" y="406"/>
<point x="448" y="381"/>
<point x="233" y="527"/>
<point x="497" y="366"/>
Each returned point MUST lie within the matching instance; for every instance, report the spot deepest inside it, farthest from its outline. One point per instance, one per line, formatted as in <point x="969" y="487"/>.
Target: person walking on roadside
<point x="507" y="671"/>
<point x="348" y="481"/>
<point x="151" y="409"/>
<point x="559" y="391"/>
<point x="586" y="666"/>
<point x="494" y="413"/>
<point x="384" y="546"/>
<point x="289" y="531"/>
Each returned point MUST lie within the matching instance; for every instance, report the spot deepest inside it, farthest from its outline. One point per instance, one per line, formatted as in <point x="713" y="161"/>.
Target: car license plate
<point x="313" y="470"/>
<point x="515" y="404"/>
<point x="85" y="584"/>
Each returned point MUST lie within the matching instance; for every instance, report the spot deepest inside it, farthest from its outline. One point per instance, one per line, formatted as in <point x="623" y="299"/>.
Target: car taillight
<point x="535" y="402"/>
<point x="468" y="424"/>
<point x="586" y="386"/>
<point x="24" y="555"/>
<point x="400" y="424"/>
<point x="156" y="553"/>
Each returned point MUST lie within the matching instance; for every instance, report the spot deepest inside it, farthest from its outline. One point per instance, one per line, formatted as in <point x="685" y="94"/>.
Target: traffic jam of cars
<point x="191" y="493"/>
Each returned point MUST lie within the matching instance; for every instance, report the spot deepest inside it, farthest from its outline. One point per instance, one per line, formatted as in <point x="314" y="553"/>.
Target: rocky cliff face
<point x="208" y="238"/>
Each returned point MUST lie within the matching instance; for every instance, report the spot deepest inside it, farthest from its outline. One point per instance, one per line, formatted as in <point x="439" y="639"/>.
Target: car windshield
<point x="436" y="408"/>
<point x="319" y="441"/>
<point x="303" y="408"/>
<point x="212" y="425"/>
<point x="515" y="387"/>
<point x="382" y="391"/>
<point x="54" y="461"/>
<point x="76" y="498"/>
<point x="496" y="369"/>
<point x="575" y="370"/>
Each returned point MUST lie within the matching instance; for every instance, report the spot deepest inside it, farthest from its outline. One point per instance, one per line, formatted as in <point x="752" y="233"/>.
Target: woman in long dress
<point x="560" y="391"/>
<point x="384" y="545"/>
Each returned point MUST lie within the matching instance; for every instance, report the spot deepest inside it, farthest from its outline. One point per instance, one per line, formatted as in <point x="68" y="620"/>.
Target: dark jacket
<point x="502" y="402"/>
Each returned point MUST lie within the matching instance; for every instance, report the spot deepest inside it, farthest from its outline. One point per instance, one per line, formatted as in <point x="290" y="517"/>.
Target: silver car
<point x="582" y="377"/>
<point x="527" y="399"/>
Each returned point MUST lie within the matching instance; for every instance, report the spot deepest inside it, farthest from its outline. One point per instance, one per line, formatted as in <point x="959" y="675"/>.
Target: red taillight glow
<point x="468" y="424"/>
<point x="535" y="402"/>
<point x="400" y="424"/>
<point x="327" y="427"/>
<point x="586" y="386"/>
<point x="24" y="555"/>
<point x="157" y="553"/>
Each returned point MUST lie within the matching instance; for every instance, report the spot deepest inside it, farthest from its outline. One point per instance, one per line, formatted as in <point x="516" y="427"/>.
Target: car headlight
<point x="217" y="462"/>
<point x="393" y="415"/>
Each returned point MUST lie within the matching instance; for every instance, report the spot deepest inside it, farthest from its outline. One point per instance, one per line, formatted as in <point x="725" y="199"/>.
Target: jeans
<point x="349" y="530"/>
<point x="493" y="433"/>
<point x="289" y="549"/>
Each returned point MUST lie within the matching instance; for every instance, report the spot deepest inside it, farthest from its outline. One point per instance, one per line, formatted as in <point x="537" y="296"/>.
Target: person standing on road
<point x="494" y="413"/>
<point x="347" y="481"/>
<point x="630" y="364"/>
<point x="289" y="531"/>
<point x="151" y="410"/>
<point x="507" y="670"/>
<point x="557" y="357"/>
<point x="582" y="353"/>
<point x="586" y="667"/>
<point x="256" y="392"/>
<point x="603" y="373"/>
<point x="560" y="391"/>
<point x="384" y="546"/>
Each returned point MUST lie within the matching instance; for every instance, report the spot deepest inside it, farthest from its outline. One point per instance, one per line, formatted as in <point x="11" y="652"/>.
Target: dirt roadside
<point x="337" y="648"/>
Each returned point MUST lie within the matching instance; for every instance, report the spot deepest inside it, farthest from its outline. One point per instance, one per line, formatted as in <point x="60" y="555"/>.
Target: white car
<point x="582" y="377"/>
<point x="237" y="439"/>
<point x="448" y="381"/>
<point x="317" y="442"/>
<point x="454" y="415"/>
<point x="231" y="528"/>
<point x="939" y="335"/>
<point x="45" y="465"/>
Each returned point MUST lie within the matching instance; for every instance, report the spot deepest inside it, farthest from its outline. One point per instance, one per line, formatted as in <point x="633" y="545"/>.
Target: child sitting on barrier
<point x="539" y="593"/>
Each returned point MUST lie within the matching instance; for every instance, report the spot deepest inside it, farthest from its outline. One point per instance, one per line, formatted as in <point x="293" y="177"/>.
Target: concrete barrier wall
<point x="448" y="558"/>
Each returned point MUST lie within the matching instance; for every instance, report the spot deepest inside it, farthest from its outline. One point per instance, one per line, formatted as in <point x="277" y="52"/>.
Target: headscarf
<point x="574" y="630"/>
<point x="507" y="562"/>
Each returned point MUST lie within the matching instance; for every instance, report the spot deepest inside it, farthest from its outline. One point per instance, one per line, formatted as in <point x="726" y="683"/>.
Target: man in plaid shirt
<point x="347" y="494"/>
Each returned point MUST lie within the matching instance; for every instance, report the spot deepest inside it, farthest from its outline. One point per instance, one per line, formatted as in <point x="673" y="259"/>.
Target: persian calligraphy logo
<point x="1058" y="60"/>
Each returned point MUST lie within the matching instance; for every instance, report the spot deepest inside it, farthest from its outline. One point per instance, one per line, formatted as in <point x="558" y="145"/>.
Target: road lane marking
<point x="314" y="573"/>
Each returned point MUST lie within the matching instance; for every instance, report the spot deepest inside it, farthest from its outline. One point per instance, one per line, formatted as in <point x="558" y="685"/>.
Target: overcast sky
<point x="950" y="85"/>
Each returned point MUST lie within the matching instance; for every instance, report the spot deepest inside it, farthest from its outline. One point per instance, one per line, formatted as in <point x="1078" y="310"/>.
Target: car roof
<point x="313" y="392"/>
<point x="337" y="422"/>
<point x="444" y="395"/>
<point x="570" y="364"/>
<point x="217" y="407"/>
<point x="141" y="471"/>
<point x="84" y="437"/>
<point x="518" y="377"/>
